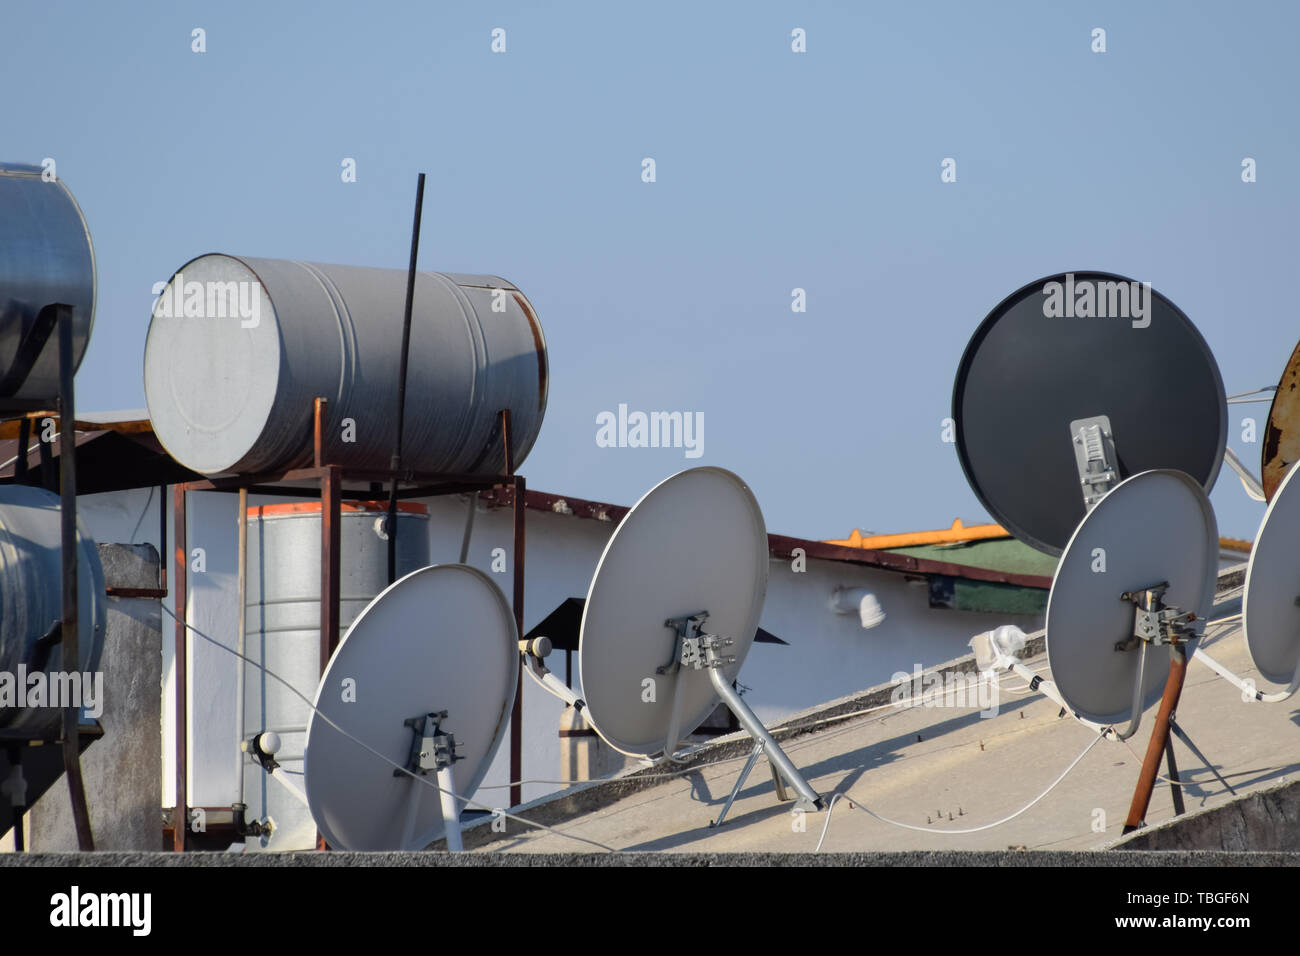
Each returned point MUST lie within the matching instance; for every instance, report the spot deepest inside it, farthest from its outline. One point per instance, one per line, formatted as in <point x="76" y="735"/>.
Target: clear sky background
<point x="775" y="170"/>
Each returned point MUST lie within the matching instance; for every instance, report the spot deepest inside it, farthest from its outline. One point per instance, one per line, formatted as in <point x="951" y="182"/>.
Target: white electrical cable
<point x="143" y="511"/>
<point x="987" y="826"/>
<point x="361" y="743"/>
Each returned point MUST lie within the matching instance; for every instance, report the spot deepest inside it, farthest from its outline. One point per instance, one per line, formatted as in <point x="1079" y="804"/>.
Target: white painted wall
<point x="829" y="656"/>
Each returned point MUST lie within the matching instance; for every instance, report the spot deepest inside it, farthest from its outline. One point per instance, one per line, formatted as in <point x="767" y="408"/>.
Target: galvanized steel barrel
<point x="239" y="348"/>
<point x="31" y="604"/>
<point x="282" y="630"/>
<point x="45" y="258"/>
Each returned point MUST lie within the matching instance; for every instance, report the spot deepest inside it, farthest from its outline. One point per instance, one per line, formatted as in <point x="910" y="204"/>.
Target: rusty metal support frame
<point x="181" y="611"/>
<point x="56" y="319"/>
<point x="518" y="501"/>
<point x="69" y="652"/>
<point x="329" y="480"/>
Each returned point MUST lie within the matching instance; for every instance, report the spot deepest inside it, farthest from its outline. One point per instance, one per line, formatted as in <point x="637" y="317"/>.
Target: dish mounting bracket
<point x="1155" y="622"/>
<point x="432" y="749"/>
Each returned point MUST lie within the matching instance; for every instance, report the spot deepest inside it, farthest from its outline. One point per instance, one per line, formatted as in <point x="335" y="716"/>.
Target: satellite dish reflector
<point x="694" y="542"/>
<point x="671" y="614"/>
<point x="1085" y="362"/>
<point x="1154" y="528"/>
<point x="435" y="655"/>
<point x="1282" y="433"/>
<point x="1270" y="611"/>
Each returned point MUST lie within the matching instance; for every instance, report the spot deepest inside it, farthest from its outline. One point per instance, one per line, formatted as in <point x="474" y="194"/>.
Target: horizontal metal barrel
<point x="283" y="630"/>
<point x="31" y="607"/>
<point x="45" y="258"/>
<point x="239" y="348"/>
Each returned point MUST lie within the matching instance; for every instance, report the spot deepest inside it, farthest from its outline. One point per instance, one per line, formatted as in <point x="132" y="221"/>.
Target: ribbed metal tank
<point x="283" y="631"/>
<point x="239" y="348"/>
<point x="45" y="257"/>
<point x="31" y="602"/>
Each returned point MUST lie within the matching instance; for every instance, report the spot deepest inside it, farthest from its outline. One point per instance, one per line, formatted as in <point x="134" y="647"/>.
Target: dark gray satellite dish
<point x="1061" y="395"/>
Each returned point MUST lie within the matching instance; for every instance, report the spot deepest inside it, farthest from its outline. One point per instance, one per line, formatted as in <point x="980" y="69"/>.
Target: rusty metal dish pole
<point x="1159" y="742"/>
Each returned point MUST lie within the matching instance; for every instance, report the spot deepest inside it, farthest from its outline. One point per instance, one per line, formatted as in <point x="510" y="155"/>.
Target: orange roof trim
<point x="957" y="533"/>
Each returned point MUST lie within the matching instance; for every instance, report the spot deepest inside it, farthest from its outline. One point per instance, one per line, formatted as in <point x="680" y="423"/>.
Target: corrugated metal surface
<point x="45" y="257"/>
<point x="238" y="348"/>
<point x="283" y="621"/>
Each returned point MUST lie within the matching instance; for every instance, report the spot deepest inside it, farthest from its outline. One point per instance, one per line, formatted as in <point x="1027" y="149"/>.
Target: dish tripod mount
<point x="696" y="649"/>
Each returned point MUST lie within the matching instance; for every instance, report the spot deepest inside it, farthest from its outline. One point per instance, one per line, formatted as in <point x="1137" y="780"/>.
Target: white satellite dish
<point x="1270" y="612"/>
<point x="1270" y="608"/>
<point x="1128" y="602"/>
<point x="431" y="664"/>
<point x="1144" y="557"/>
<point x="671" y="613"/>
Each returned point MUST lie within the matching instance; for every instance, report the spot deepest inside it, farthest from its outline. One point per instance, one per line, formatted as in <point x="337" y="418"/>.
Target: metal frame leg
<point x="450" y="810"/>
<point x="810" y="800"/>
<point x="740" y="782"/>
<point x="1175" y="786"/>
<point x="1182" y="735"/>
<point x="69" y="652"/>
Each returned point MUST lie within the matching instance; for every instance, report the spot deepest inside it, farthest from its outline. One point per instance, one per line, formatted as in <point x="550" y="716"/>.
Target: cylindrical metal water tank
<point x="45" y="258"/>
<point x="239" y="348"/>
<point x="283" y="631"/>
<point x="31" y="604"/>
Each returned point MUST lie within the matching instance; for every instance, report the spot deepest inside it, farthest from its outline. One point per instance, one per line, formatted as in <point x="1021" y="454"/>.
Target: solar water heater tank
<point x="31" y="607"/>
<point x="282" y="622"/>
<point x="239" y="348"/>
<point x="45" y="258"/>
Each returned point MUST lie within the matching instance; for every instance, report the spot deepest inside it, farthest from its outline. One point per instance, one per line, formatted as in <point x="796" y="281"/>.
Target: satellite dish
<point x="1282" y="433"/>
<point x="1155" y="528"/>
<point x="1270" y="612"/>
<point x="672" y="612"/>
<point x="695" y="542"/>
<point x="434" y="656"/>
<point x="1054" y="406"/>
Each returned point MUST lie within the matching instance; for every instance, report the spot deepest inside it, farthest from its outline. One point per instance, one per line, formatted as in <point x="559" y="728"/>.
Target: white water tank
<point x="282" y="632"/>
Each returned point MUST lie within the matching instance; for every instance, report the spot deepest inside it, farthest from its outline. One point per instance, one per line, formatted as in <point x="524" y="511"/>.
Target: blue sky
<point x="775" y="170"/>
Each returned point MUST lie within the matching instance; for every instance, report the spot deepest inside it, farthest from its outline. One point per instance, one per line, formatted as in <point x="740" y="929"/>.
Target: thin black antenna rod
<point x="396" y="462"/>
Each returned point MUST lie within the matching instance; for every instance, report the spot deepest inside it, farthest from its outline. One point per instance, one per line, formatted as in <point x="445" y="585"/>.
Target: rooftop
<point x="945" y="777"/>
